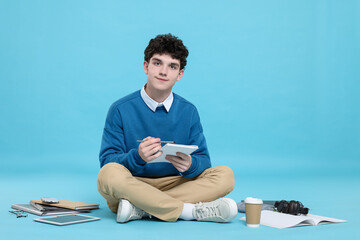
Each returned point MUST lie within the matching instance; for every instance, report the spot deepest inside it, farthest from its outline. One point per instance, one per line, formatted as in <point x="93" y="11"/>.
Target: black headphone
<point x="292" y="207"/>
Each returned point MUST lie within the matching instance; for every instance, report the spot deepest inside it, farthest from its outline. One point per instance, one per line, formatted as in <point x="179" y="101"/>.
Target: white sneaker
<point x="127" y="212"/>
<point x="220" y="210"/>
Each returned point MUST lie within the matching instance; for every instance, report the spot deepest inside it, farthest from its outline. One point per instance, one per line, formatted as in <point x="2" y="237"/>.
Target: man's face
<point x="163" y="72"/>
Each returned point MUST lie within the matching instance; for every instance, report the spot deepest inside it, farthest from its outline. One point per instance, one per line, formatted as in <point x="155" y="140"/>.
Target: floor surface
<point x="328" y="191"/>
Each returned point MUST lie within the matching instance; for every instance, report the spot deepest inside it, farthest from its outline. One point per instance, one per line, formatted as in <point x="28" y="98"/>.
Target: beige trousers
<point x="162" y="197"/>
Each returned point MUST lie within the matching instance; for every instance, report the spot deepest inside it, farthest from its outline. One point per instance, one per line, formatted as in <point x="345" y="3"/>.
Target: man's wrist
<point x="137" y="158"/>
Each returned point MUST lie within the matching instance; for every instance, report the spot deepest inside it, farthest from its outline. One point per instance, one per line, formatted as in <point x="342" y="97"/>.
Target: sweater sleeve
<point x="113" y="148"/>
<point x="200" y="158"/>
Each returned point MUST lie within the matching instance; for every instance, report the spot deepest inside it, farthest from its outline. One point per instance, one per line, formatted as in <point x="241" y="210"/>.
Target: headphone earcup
<point x="285" y="207"/>
<point x="280" y="205"/>
<point x="294" y="207"/>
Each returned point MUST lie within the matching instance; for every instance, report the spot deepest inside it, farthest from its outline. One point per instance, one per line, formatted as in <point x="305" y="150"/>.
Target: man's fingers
<point x="148" y="147"/>
<point x="158" y="154"/>
<point x="152" y="151"/>
<point x="149" y="144"/>
<point x="178" y="166"/>
<point x="146" y="138"/>
<point x="178" y="163"/>
<point x="174" y="159"/>
<point x="149" y="141"/>
<point x="182" y="155"/>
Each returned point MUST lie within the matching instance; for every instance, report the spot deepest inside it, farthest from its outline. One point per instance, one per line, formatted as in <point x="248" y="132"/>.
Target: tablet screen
<point x="66" y="219"/>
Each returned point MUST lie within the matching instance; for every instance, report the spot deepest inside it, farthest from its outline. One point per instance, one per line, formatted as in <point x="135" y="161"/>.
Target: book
<point x="172" y="149"/>
<point x="69" y="204"/>
<point x="284" y="220"/>
<point x="48" y="210"/>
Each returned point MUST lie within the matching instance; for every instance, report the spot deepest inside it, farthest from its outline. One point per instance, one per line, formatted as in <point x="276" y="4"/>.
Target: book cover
<point x="69" y="204"/>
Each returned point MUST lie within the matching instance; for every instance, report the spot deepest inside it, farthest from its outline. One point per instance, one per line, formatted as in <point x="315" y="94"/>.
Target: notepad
<point x="283" y="220"/>
<point x="172" y="149"/>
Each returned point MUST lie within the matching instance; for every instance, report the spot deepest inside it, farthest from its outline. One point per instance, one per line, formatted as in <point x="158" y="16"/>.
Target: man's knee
<point x="111" y="174"/>
<point x="225" y="178"/>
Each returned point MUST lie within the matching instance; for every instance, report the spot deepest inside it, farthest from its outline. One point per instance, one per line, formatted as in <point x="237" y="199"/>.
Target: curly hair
<point x="169" y="44"/>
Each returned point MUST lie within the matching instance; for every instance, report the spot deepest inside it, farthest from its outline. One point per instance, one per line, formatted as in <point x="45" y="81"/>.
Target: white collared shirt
<point x="152" y="104"/>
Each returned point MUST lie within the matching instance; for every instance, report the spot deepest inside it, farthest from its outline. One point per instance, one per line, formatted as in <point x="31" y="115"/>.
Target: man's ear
<point x="146" y="65"/>
<point x="181" y="74"/>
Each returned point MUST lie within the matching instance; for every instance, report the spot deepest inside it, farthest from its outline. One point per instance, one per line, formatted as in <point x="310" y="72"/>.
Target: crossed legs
<point x="162" y="197"/>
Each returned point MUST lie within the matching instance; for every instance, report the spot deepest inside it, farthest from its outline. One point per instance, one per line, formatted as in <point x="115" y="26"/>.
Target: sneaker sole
<point x="125" y="208"/>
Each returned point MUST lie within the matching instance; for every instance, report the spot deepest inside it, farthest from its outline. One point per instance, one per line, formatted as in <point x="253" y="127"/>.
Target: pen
<point x="37" y="206"/>
<point x="160" y="141"/>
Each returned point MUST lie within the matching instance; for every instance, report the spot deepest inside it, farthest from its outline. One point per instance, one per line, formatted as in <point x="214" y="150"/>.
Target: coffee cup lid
<point x="253" y="200"/>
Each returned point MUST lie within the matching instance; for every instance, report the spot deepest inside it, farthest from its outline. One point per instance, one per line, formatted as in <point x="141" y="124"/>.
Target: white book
<point x="48" y="210"/>
<point x="172" y="149"/>
<point x="283" y="220"/>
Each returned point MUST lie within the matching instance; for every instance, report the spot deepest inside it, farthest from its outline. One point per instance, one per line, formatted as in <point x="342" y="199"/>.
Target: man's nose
<point x="163" y="70"/>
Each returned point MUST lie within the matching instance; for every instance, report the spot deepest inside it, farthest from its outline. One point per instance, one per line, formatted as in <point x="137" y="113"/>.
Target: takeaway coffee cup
<point x="253" y="211"/>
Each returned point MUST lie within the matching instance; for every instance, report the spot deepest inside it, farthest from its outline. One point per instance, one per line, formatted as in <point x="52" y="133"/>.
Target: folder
<point x="69" y="204"/>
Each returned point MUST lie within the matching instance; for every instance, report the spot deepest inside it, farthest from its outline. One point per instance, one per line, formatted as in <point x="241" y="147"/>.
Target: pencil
<point x="160" y="141"/>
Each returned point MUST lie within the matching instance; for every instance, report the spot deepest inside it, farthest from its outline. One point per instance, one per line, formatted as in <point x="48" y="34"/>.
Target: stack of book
<point x="38" y="207"/>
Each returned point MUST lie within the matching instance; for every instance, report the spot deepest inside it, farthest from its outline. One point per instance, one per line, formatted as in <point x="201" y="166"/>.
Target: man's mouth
<point x="161" y="79"/>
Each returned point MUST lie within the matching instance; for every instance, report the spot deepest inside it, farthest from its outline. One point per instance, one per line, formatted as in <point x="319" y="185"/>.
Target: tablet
<point x="67" y="219"/>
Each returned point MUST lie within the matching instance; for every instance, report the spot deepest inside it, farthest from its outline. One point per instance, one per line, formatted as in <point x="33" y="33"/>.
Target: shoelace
<point x="206" y="211"/>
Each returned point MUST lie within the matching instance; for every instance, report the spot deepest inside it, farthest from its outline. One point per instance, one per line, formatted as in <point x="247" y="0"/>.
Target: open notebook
<point x="283" y="220"/>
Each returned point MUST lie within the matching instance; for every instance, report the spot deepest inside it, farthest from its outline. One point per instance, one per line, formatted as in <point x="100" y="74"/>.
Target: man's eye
<point x="156" y="63"/>
<point x="173" y="67"/>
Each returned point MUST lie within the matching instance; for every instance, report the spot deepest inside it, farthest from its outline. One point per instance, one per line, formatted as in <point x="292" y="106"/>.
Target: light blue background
<point x="276" y="84"/>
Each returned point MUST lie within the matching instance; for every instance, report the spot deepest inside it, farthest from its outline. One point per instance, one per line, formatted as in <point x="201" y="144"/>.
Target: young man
<point x="186" y="187"/>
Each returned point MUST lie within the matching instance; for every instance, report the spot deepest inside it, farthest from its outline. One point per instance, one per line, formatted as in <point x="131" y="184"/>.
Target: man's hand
<point x="149" y="149"/>
<point x="181" y="161"/>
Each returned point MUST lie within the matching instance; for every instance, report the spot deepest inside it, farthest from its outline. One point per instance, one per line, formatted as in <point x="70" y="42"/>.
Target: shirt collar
<point x="152" y="104"/>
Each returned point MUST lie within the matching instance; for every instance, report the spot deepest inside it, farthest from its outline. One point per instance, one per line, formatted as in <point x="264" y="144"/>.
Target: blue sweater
<point x="130" y="119"/>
